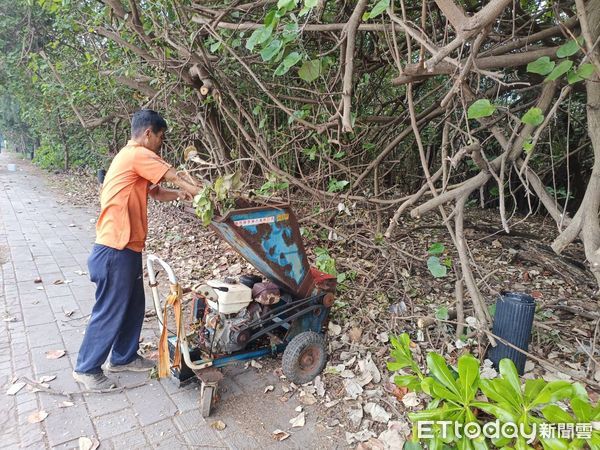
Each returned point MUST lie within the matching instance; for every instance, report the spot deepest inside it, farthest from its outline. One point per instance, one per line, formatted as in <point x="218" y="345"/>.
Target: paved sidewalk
<point x="42" y="236"/>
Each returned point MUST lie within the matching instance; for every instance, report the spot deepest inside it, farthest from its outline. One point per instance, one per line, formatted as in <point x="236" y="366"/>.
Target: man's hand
<point x="184" y="195"/>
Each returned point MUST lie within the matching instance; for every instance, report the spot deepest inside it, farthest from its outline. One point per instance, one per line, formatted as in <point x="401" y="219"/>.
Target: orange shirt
<point x="123" y="221"/>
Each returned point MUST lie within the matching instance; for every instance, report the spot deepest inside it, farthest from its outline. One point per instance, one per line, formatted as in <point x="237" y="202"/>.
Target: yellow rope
<point x="173" y="300"/>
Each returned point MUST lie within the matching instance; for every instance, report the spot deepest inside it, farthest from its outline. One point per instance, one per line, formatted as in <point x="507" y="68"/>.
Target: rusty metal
<point x="309" y="359"/>
<point x="328" y="300"/>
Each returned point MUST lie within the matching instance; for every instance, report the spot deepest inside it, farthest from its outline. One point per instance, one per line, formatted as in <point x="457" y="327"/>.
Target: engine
<point x="227" y="310"/>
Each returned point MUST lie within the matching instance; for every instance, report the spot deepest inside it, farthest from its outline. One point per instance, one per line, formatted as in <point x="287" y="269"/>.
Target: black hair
<point x="146" y="118"/>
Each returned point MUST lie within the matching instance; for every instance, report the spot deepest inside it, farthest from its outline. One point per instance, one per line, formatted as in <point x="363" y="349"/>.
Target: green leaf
<point x="553" y="391"/>
<point x="542" y="66"/>
<point x="437" y="269"/>
<point x="310" y="70"/>
<point x="533" y="117"/>
<point x="442" y="313"/>
<point x="412" y="446"/>
<point x="308" y="5"/>
<point x="560" y="70"/>
<point x="379" y="7"/>
<point x="271" y="50"/>
<point x="556" y="414"/>
<point x="215" y="46"/>
<point x="437" y="390"/>
<point x="568" y="49"/>
<point x="438" y="367"/>
<point x="288" y="62"/>
<point x="528" y="145"/>
<point x="498" y="411"/>
<point x="289" y="32"/>
<point x="509" y="373"/>
<point x="436" y="248"/>
<point x="428" y="414"/>
<point x="287" y="4"/>
<point x="533" y="388"/>
<point x="583" y="73"/>
<point x="481" y="108"/>
<point x="259" y="36"/>
<point x="337" y="186"/>
<point x="468" y="376"/>
<point x="586" y="70"/>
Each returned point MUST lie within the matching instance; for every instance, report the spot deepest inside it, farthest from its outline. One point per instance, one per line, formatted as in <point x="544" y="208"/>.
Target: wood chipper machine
<point x="235" y="319"/>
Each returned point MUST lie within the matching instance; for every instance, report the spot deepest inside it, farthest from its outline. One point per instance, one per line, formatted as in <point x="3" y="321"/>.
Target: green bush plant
<point x="461" y="396"/>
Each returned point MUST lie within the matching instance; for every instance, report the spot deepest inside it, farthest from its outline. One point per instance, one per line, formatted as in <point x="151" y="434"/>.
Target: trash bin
<point x="512" y="322"/>
<point x="101" y="174"/>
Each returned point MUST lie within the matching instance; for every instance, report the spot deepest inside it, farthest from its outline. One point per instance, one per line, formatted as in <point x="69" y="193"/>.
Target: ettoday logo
<point x="495" y="430"/>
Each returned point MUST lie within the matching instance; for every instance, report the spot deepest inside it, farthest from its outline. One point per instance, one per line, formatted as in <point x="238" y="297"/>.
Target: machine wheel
<point x="304" y="357"/>
<point x="206" y="399"/>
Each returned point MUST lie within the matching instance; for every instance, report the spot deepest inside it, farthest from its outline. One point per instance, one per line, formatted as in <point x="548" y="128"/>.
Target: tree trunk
<point x="585" y="224"/>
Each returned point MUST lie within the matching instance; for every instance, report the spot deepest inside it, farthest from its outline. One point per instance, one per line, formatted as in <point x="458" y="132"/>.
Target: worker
<point x="115" y="263"/>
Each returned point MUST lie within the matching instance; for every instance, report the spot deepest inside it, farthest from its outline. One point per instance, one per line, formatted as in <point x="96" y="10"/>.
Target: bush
<point x="558" y="415"/>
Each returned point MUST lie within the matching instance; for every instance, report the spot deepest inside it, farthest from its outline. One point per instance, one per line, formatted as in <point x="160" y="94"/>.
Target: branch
<point x="349" y="64"/>
<point x="414" y="72"/>
<point x="511" y="154"/>
<point x="469" y="28"/>
<point x="454" y="13"/>
<point x="313" y="28"/>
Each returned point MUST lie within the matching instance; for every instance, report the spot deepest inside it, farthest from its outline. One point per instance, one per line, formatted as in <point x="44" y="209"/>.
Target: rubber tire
<point x="293" y="352"/>
<point x="206" y="400"/>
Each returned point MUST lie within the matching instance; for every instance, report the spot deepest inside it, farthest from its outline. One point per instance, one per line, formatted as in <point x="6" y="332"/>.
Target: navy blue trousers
<point x="118" y="314"/>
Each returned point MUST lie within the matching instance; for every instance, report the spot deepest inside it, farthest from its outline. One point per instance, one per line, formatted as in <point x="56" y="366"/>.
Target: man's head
<point x="148" y="128"/>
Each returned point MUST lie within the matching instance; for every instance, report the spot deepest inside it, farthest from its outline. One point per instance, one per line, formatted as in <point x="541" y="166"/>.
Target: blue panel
<point x="273" y="242"/>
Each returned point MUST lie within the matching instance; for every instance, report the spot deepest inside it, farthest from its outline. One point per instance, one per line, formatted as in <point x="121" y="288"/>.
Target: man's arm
<point x="187" y="190"/>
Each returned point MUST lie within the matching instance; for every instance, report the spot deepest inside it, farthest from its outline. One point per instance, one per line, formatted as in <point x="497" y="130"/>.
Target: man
<point x="115" y="264"/>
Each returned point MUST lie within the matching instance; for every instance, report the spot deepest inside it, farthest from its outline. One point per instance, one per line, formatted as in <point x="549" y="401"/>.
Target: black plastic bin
<point x="512" y="322"/>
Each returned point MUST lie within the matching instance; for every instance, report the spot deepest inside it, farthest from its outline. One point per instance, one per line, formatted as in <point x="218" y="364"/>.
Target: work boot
<point x="139" y="364"/>
<point x="94" y="381"/>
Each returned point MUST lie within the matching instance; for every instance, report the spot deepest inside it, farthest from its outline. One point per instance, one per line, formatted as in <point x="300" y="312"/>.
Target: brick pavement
<point x="42" y="235"/>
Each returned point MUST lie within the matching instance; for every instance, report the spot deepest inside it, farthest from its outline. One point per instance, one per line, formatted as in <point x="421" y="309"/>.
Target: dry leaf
<point x="55" y="354"/>
<point x="399" y="391"/>
<point x="65" y="404"/>
<point x="86" y="443"/>
<point x="16" y="387"/>
<point x="378" y="414"/>
<point x="298" y="421"/>
<point x="69" y="313"/>
<point x="81" y="272"/>
<point x="256" y="365"/>
<point x="37" y="280"/>
<point x="40" y="288"/>
<point x="280" y="435"/>
<point x="411" y="399"/>
<point x="37" y="416"/>
<point x="298" y="408"/>
<point x="58" y="282"/>
<point x="308" y="399"/>
<point x="218" y="425"/>
<point x="334" y="329"/>
<point x="9" y="319"/>
<point x="372" y="444"/>
<point x="47" y="378"/>
<point x="355" y="334"/>
<point x="269" y="388"/>
<point x="71" y="225"/>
